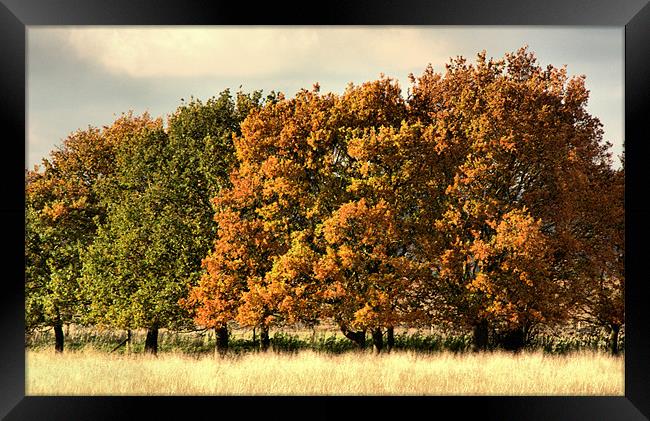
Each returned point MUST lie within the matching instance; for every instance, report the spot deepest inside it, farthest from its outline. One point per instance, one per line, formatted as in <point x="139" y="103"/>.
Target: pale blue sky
<point x="81" y="75"/>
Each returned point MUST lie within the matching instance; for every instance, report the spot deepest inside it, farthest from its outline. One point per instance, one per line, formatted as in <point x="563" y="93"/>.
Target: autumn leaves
<point x="453" y="205"/>
<point x="477" y="200"/>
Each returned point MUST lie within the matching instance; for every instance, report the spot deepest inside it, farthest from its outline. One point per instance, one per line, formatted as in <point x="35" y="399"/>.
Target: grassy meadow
<point x="316" y="363"/>
<point x="313" y="373"/>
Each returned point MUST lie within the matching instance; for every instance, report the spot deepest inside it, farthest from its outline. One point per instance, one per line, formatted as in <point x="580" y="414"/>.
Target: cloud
<point x="250" y="52"/>
<point x="80" y="75"/>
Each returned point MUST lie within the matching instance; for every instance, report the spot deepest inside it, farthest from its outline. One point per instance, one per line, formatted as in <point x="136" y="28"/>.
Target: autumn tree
<point x="261" y="214"/>
<point x="601" y="228"/>
<point x="368" y="270"/>
<point x="364" y="278"/>
<point x="295" y="180"/>
<point x="199" y="167"/>
<point x="514" y="136"/>
<point x="464" y="204"/>
<point x="62" y="211"/>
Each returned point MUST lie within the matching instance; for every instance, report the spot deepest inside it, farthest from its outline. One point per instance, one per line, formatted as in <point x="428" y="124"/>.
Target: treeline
<point x="484" y="199"/>
<point x="321" y="339"/>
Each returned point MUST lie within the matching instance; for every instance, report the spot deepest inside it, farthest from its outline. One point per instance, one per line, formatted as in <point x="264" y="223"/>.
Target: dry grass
<point x="310" y="373"/>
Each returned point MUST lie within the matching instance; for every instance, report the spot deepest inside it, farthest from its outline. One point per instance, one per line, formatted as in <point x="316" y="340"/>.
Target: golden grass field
<point x="310" y="373"/>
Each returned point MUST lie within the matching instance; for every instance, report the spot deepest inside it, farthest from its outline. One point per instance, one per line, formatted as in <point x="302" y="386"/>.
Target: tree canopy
<point x="485" y="199"/>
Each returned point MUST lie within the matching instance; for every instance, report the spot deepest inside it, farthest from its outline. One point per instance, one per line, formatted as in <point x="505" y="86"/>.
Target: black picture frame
<point x="16" y="15"/>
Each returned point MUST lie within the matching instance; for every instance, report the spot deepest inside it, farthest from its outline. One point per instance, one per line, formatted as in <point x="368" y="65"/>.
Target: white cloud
<point x="81" y="75"/>
<point x="252" y="51"/>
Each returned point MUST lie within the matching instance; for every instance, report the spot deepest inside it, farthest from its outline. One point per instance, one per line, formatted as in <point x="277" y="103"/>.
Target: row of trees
<point x="485" y="200"/>
<point x="118" y="220"/>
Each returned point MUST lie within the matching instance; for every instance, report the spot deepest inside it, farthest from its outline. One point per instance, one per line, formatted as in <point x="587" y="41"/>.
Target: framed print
<point x="312" y="228"/>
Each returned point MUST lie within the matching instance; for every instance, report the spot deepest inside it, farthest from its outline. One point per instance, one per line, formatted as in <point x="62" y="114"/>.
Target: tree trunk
<point x="613" y="339"/>
<point x="359" y="338"/>
<point x="480" y="336"/>
<point x="265" y="341"/>
<point x="128" y="341"/>
<point x="513" y="340"/>
<point x="390" y="338"/>
<point x="377" y="340"/>
<point x="151" y="341"/>
<point x="221" y="334"/>
<point x="58" y="337"/>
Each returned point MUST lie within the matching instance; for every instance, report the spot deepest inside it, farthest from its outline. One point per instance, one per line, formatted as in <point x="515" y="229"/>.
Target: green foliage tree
<point x="160" y="220"/>
<point x="126" y="281"/>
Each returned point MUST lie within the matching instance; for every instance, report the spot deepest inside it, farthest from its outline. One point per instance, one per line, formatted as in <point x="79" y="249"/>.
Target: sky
<point x="80" y="76"/>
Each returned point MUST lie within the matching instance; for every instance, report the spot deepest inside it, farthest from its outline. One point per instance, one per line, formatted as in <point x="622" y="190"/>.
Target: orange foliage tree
<point x="467" y="202"/>
<point x="368" y="267"/>
<point x="273" y="189"/>
<point x="307" y="196"/>
<point x="601" y="251"/>
<point x="516" y="138"/>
